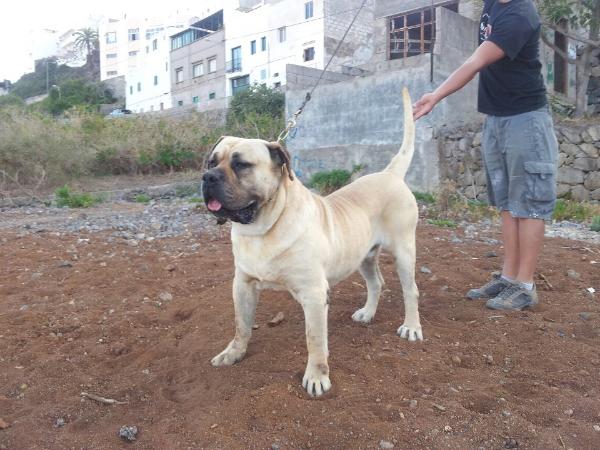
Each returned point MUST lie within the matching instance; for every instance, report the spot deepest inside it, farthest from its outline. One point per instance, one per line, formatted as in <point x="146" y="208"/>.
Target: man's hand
<point x="424" y="106"/>
<point x="486" y="54"/>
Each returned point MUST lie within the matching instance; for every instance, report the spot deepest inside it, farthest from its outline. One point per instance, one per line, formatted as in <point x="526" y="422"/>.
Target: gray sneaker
<point x="515" y="298"/>
<point x="490" y="289"/>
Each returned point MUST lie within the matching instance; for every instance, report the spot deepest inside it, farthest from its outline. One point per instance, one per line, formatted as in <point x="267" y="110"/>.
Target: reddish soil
<point x="100" y="327"/>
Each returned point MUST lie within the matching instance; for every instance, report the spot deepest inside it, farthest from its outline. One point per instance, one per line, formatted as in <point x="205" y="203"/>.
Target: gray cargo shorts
<point x="520" y="154"/>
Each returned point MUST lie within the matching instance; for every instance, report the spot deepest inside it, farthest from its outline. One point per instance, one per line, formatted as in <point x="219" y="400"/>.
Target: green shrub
<point x="595" y="224"/>
<point x="447" y="223"/>
<point x="424" y="197"/>
<point x="64" y="197"/>
<point x="195" y="200"/>
<point x="572" y="210"/>
<point x="143" y="198"/>
<point x="327" y="182"/>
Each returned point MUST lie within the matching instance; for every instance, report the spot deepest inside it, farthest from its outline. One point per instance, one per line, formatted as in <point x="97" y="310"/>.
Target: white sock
<point x="528" y="286"/>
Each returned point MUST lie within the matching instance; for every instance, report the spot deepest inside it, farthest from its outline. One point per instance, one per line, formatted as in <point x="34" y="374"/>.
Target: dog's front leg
<point x="245" y="298"/>
<point x="315" y="305"/>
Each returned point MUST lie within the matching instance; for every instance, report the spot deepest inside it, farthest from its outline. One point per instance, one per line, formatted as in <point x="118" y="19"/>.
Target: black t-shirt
<point x="514" y="84"/>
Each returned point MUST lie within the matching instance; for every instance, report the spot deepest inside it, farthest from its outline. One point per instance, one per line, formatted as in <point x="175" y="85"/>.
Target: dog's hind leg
<point x="369" y="269"/>
<point x="405" y="254"/>
<point x="245" y="298"/>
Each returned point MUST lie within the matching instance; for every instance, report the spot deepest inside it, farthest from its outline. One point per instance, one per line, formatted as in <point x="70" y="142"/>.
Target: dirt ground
<point x="140" y="324"/>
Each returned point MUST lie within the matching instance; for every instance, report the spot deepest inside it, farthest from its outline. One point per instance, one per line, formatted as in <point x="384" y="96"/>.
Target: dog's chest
<point x="261" y="265"/>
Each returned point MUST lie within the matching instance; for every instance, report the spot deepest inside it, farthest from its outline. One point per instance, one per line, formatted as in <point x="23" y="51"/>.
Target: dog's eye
<point x="240" y="165"/>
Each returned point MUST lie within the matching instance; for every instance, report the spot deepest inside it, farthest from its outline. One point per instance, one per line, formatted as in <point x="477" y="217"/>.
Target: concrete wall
<point x="359" y="121"/>
<point x="359" y="45"/>
<point x="212" y="46"/>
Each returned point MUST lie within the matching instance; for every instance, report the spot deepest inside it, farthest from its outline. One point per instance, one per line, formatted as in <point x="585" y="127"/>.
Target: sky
<point x="20" y="17"/>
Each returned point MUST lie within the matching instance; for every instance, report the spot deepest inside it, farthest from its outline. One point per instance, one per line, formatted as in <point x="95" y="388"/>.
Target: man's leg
<point x="511" y="240"/>
<point x="530" y="240"/>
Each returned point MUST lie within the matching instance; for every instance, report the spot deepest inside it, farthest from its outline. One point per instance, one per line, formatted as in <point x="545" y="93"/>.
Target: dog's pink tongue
<point x="214" y="205"/>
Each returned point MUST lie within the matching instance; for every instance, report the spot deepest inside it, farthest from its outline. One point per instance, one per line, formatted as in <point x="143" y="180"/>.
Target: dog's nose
<point x="212" y="176"/>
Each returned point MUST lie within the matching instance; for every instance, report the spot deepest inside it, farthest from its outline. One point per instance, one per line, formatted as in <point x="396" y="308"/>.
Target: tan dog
<point x="285" y="237"/>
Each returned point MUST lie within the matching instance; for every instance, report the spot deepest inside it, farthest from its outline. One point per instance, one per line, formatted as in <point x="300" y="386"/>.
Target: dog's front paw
<point x="228" y="357"/>
<point x="316" y="380"/>
<point x="411" y="332"/>
<point x="363" y="315"/>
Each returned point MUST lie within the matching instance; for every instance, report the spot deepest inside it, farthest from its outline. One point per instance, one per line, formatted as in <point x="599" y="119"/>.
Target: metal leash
<point x="291" y="123"/>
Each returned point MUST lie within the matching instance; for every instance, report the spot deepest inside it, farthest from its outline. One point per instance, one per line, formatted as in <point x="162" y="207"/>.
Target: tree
<point x="86" y="40"/>
<point x="571" y="18"/>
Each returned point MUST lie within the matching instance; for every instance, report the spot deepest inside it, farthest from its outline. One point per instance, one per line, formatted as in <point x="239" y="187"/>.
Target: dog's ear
<point x="281" y="157"/>
<point x="207" y="157"/>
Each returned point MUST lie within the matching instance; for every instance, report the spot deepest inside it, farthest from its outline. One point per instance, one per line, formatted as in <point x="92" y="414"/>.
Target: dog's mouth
<point x="244" y="215"/>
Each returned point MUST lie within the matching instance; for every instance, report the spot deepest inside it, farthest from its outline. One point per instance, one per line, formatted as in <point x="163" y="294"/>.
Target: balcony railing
<point x="235" y="65"/>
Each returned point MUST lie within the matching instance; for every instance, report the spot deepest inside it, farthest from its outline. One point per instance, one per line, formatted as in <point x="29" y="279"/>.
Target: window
<point x="263" y="74"/>
<point x="134" y="34"/>
<point x="166" y="66"/>
<point x="130" y="90"/>
<point x="139" y="86"/>
<point x="252" y="47"/>
<point x="263" y="43"/>
<point x="111" y="55"/>
<point x="277" y="84"/>
<point x="236" y="59"/>
<point x="179" y="75"/>
<point x="309" y="54"/>
<point x="111" y="73"/>
<point x="282" y="34"/>
<point x="155" y="80"/>
<point x="180" y="103"/>
<point x="162" y="106"/>
<point x="212" y="65"/>
<point x="151" y="107"/>
<point x="147" y="49"/>
<point x="308" y="10"/>
<point x="413" y="34"/>
<point x="111" y="37"/>
<point x="195" y="99"/>
<point x="197" y="69"/>
<point x="134" y="53"/>
<point x="155" y="44"/>
<point x="212" y="96"/>
<point x="239" y="84"/>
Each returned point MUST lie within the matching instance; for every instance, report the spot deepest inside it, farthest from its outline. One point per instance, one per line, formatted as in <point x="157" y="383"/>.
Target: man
<point x="520" y="150"/>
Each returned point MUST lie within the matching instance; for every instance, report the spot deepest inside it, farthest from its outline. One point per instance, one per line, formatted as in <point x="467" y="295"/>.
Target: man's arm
<point x="486" y="54"/>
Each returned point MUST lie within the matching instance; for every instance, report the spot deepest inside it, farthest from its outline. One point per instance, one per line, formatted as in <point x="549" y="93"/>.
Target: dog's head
<point x="242" y="176"/>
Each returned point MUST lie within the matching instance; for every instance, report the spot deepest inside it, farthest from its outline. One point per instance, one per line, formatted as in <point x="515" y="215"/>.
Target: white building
<point x="262" y="36"/>
<point x="148" y="83"/>
<point x="125" y="40"/>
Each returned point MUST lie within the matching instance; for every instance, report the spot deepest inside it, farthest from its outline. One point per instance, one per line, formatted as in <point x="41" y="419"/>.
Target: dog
<point x="285" y="237"/>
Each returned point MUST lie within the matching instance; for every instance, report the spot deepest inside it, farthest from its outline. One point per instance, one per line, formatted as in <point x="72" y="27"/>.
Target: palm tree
<point x="86" y="39"/>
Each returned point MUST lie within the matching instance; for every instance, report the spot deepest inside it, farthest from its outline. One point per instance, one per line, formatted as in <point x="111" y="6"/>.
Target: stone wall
<point x="579" y="162"/>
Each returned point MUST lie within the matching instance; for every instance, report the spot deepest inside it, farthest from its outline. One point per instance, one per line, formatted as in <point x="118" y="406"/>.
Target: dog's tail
<point x="400" y="162"/>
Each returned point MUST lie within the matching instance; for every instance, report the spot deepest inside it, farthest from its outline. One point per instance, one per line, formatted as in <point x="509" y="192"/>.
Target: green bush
<point x="142" y="198"/>
<point x="64" y="197"/>
<point x="327" y="182"/>
<point x="572" y="210"/>
<point x="595" y="226"/>
<point x="424" y="197"/>
<point x="447" y="223"/>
